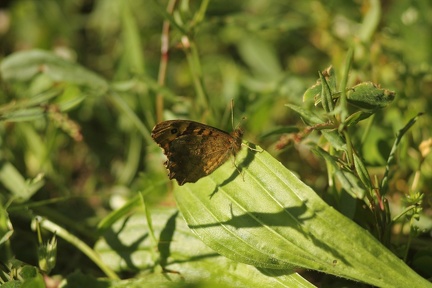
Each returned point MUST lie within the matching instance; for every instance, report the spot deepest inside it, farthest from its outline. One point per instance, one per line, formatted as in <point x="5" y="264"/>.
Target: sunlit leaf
<point x="266" y="217"/>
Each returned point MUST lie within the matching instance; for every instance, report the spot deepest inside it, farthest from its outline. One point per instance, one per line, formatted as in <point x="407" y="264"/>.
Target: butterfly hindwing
<point x="194" y="150"/>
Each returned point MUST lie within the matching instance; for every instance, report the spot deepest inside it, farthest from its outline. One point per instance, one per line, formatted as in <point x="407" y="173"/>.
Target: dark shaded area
<point x="239" y="167"/>
<point x="165" y="239"/>
<point x="125" y="252"/>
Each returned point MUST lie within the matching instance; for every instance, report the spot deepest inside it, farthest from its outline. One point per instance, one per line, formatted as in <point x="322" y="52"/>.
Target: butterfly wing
<point x="194" y="150"/>
<point x="193" y="157"/>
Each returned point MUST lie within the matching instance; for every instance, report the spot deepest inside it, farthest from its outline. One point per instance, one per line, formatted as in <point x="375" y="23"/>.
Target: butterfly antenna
<point x="232" y="116"/>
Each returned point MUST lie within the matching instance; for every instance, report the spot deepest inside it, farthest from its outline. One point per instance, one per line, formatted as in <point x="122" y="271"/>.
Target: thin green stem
<point x="195" y="69"/>
<point x="343" y="97"/>
<point x="89" y="252"/>
<point x="391" y="158"/>
<point x="163" y="63"/>
<point x="349" y="146"/>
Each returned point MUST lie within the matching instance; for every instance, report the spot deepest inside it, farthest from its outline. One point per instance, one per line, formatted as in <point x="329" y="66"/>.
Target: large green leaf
<point x="128" y="246"/>
<point x="266" y="217"/>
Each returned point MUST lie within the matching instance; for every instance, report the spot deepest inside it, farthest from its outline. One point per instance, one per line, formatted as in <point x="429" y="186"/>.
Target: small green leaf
<point x="6" y="228"/>
<point x="356" y="117"/>
<point x="309" y="117"/>
<point x="24" y="276"/>
<point x="24" y="115"/>
<point x="315" y="120"/>
<point x="362" y="172"/>
<point x="12" y="179"/>
<point x="348" y="180"/>
<point x="32" y="278"/>
<point x="392" y="158"/>
<point x="326" y="94"/>
<point x="369" y="96"/>
<point x="335" y="139"/>
<point x="313" y="93"/>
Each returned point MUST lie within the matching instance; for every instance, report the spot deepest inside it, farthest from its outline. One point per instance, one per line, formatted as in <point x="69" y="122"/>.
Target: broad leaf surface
<point x="266" y="217"/>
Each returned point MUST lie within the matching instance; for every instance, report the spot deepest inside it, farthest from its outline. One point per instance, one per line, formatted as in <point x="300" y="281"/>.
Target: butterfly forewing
<point x="194" y="150"/>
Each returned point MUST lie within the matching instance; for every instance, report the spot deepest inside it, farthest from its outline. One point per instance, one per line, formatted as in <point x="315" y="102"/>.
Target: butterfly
<point x="193" y="149"/>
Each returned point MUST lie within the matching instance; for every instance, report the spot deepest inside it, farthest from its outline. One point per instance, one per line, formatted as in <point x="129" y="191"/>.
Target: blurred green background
<point x="95" y="155"/>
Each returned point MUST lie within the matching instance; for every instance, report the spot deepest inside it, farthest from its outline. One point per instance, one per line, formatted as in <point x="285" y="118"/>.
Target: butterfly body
<point x="194" y="150"/>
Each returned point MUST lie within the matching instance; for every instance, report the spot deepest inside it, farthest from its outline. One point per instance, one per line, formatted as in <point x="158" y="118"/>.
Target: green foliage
<point x="19" y="274"/>
<point x="268" y="218"/>
<point x="83" y="83"/>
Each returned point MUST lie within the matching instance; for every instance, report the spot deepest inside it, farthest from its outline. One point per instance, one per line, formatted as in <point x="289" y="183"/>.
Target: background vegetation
<point x="84" y="81"/>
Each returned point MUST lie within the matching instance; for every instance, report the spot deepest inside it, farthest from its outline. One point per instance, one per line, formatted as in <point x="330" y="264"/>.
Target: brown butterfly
<point x="194" y="150"/>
